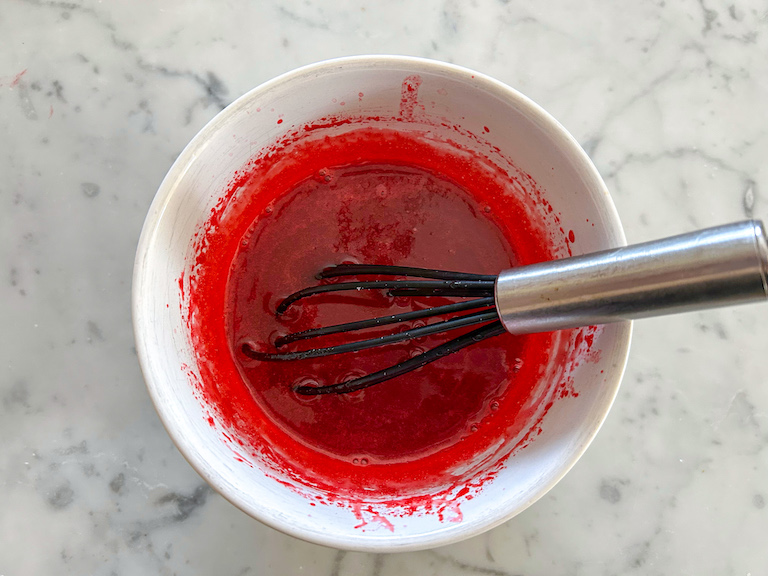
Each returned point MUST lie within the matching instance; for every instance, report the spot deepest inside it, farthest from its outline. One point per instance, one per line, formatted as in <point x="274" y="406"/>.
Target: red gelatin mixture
<point x="370" y="196"/>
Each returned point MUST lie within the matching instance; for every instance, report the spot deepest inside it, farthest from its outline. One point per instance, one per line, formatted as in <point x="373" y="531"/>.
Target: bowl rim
<point x="144" y="351"/>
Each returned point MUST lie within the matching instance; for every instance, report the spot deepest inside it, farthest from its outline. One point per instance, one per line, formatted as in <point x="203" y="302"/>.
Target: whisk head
<point x="478" y="288"/>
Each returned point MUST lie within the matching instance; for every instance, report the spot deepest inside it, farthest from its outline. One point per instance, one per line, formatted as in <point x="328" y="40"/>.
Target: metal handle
<point x="714" y="267"/>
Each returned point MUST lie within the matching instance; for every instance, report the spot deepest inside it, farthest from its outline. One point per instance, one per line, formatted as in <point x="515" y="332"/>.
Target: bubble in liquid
<point x="517" y="365"/>
<point x="324" y="175"/>
<point x="268" y="209"/>
<point x="473" y="428"/>
<point x="487" y="209"/>
<point x="494" y="405"/>
<point x="363" y="461"/>
<point x="355" y="461"/>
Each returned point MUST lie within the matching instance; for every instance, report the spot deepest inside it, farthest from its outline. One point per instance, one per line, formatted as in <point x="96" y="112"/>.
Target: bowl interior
<point x="357" y="87"/>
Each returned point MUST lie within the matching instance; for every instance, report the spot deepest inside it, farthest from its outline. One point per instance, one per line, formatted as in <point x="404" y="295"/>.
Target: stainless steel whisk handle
<point x="714" y="267"/>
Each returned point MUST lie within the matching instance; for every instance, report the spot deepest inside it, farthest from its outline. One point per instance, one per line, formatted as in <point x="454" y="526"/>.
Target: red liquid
<point x="379" y="197"/>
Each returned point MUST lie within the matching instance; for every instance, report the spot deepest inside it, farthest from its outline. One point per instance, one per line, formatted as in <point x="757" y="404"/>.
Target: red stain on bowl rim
<point x="367" y="515"/>
<point x="409" y="97"/>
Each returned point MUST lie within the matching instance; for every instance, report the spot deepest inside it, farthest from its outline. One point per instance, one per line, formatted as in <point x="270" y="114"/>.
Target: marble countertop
<point x="97" y="99"/>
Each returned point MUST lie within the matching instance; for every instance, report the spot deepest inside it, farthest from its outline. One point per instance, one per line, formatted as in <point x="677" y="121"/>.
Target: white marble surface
<point x="97" y="99"/>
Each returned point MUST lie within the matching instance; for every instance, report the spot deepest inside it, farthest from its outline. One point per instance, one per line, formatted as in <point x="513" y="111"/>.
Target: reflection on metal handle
<point x="714" y="267"/>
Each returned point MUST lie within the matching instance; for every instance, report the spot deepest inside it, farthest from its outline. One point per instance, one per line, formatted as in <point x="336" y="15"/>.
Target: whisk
<point x="713" y="267"/>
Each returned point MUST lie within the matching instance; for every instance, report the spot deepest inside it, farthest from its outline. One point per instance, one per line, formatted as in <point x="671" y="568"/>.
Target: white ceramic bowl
<point x="523" y="132"/>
